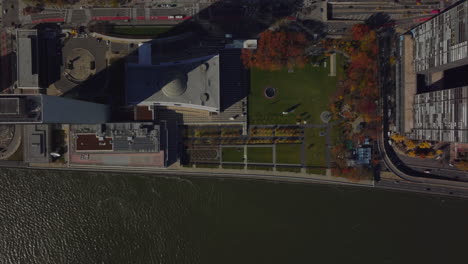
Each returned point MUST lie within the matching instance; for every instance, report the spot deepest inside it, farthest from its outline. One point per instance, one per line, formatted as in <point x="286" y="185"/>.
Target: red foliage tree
<point x="359" y="31"/>
<point x="276" y="50"/>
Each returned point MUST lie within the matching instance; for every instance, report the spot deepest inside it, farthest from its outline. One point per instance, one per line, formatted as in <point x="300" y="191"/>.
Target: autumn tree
<point x="397" y="138"/>
<point x="424" y="145"/>
<point x="462" y="165"/>
<point x="409" y="144"/>
<point x="276" y="50"/>
<point x="359" y="31"/>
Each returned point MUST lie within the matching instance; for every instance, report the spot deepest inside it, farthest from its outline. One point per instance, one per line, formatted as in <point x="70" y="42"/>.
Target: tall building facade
<point x="39" y="108"/>
<point x="431" y="102"/>
<point x="441" y="42"/>
<point x="441" y="115"/>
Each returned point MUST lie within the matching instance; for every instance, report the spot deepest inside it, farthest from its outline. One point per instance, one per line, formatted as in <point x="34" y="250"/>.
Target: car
<point x="427" y="171"/>
<point x="179" y="16"/>
<point x="5" y="11"/>
<point x="450" y="165"/>
<point x="99" y="40"/>
<point x="173" y="5"/>
<point x="108" y="42"/>
<point x="170" y="17"/>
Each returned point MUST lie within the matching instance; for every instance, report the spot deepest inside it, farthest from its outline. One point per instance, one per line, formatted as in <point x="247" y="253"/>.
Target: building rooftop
<point x="117" y="137"/>
<point x="9" y="106"/>
<point x="20" y="108"/>
<point x="27" y="58"/>
<point x="363" y="155"/>
<point x="117" y="144"/>
<point x="36" y="143"/>
<point x="191" y="83"/>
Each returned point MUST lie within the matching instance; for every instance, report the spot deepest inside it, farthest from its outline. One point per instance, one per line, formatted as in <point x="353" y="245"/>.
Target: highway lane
<point x="402" y="185"/>
<point x="84" y="16"/>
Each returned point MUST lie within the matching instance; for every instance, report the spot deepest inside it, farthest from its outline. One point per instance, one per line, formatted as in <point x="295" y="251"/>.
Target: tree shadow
<point x="49" y="54"/>
<point x="292" y="108"/>
<point x="379" y="21"/>
<point x="7" y="71"/>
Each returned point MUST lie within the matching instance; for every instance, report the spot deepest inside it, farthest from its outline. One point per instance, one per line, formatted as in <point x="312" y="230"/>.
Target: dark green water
<point x="114" y="218"/>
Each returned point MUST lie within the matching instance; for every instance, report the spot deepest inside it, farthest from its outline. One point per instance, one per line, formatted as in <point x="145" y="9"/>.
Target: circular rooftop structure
<point x="176" y="87"/>
<point x="80" y="65"/>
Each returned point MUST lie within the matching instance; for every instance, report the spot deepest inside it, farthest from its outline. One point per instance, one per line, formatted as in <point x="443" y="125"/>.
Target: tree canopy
<point x="276" y="50"/>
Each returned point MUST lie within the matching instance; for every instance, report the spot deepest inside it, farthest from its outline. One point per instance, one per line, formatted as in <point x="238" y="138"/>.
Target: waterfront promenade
<point x="388" y="180"/>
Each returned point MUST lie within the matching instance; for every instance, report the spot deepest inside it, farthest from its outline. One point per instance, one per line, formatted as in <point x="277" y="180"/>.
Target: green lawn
<point x="310" y="88"/>
<point x="288" y="153"/>
<point x="260" y="154"/>
<point x="233" y="154"/>
<point x="319" y="171"/>
<point x="315" y="147"/>
<point x="260" y="167"/>
<point x="149" y="31"/>
<point x="288" y="169"/>
<point x="233" y="166"/>
<point x="208" y="165"/>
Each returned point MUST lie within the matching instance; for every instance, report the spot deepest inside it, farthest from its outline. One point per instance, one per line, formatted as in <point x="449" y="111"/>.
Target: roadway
<point x="404" y="14"/>
<point x="82" y="16"/>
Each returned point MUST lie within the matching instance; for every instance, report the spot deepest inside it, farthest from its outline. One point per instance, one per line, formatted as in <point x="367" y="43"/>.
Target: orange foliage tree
<point x="360" y="86"/>
<point x="276" y="50"/>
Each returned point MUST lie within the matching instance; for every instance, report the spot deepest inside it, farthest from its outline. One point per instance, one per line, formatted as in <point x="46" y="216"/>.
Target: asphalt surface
<point x="403" y="185"/>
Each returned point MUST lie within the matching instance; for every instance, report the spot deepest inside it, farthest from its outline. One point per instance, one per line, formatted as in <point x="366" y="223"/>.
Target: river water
<point x="77" y="217"/>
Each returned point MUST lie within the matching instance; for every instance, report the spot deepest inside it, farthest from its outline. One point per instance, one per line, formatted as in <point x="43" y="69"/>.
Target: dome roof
<point x="176" y="87"/>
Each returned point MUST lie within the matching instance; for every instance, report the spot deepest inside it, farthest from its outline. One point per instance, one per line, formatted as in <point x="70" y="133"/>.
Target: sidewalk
<point x="232" y="173"/>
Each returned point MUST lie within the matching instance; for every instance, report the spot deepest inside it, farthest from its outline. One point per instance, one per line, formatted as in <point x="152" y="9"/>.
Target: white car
<point x="170" y="17"/>
<point x="179" y="17"/>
